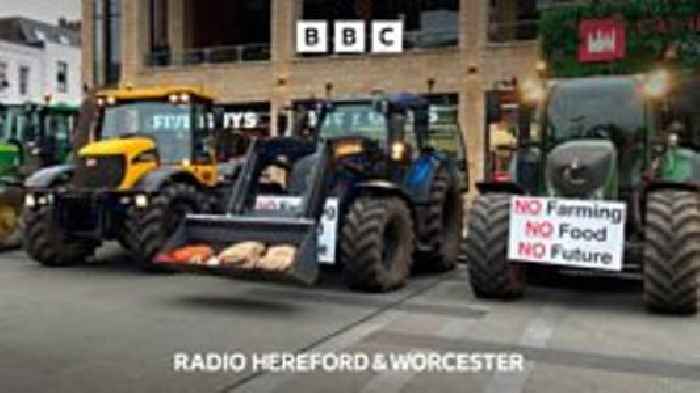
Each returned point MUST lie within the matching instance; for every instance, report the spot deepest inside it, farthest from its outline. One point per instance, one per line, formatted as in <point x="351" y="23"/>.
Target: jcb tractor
<point x="633" y="141"/>
<point x="369" y="191"/>
<point x="32" y="136"/>
<point x="150" y="161"/>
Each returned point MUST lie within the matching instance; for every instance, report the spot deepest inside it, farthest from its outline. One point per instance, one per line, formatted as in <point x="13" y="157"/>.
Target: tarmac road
<point x="106" y="327"/>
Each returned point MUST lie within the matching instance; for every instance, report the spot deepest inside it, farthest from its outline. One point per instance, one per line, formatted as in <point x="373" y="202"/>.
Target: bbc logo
<point x="350" y="36"/>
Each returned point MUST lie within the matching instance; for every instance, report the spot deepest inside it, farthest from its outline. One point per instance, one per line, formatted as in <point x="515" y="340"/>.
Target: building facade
<point x="38" y="59"/>
<point x="244" y="52"/>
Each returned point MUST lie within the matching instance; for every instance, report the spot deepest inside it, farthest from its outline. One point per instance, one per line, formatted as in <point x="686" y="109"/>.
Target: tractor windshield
<point x="355" y="119"/>
<point x="604" y="108"/>
<point x="19" y="124"/>
<point x="169" y="124"/>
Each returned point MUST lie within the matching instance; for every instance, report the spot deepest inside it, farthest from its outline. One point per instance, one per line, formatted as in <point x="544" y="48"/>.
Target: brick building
<point x="244" y="52"/>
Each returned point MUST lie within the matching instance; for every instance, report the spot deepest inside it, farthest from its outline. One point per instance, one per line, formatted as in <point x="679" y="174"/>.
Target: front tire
<point x="49" y="245"/>
<point x="377" y="243"/>
<point x="162" y="217"/>
<point x="491" y="274"/>
<point x="672" y="252"/>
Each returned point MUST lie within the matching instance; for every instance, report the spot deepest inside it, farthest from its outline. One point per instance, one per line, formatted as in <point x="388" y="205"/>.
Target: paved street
<point x="108" y="327"/>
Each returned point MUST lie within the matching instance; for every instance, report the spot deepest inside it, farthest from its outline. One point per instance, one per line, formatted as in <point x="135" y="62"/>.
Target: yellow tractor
<point x="151" y="159"/>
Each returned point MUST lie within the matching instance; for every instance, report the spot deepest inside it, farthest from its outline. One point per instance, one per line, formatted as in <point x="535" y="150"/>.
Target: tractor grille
<point x="99" y="172"/>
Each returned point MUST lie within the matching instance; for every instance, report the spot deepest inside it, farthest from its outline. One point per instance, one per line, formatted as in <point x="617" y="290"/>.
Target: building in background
<point x="38" y="59"/>
<point x="244" y="52"/>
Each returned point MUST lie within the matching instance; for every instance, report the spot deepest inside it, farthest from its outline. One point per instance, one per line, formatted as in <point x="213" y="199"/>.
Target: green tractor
<point x="585" y="147"/>
<point x="32" y="136"/>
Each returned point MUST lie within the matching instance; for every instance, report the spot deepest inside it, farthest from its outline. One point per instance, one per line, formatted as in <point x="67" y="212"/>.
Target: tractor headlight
<point x="29" y="200"/>
<point x="348" y="148"/>
<point x="184" y="98"/>
<point x="111" y="100"/>
<point x="141" y="200"/>
<point x="42" y="200"/>
<point x="658" y="84"/>
<point x="174" y="98"/>
<point x="398" y="151"/>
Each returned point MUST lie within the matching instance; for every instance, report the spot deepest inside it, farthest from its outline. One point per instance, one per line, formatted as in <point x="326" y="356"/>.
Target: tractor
<point x="370" y="189"/>
<point x="149" y="161"/>
<point x="629" y="140"/>
<point x="33" y="136"/>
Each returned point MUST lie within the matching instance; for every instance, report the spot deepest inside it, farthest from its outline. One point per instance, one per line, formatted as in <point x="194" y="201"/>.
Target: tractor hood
<point x="580" y="168"/>
<point x="125" y="146"/>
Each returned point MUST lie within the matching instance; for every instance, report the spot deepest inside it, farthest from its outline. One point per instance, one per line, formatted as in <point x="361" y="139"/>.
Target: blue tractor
<point x="372" y="189"/>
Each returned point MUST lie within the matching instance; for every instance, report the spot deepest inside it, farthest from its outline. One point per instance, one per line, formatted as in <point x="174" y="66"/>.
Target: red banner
<point x="602" y="40"/>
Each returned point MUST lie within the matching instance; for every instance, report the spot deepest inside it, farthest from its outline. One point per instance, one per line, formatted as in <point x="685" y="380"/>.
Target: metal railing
<point x="214" y="55"/>
<point x="521" y="30"/>
<point x="412" y="40"/>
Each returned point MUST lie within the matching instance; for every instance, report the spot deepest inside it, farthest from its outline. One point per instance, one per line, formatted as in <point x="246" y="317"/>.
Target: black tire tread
<point x="490" y="273"/>
<point x="361" y="245"/>
<point x="672" y="252"/>
<point x="47" y="245"/>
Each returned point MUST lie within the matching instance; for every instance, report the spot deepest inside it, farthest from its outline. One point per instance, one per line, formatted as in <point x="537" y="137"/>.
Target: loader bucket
<point x="222" y="231"/>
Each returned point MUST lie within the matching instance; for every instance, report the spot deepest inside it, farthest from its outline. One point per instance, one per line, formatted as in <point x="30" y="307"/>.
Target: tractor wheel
<point x="377" y="243"/>
<point x="128" y="233"/>
<point x="48" y="244"/>
<point x="490" y="272"/>
<point x="672" y="252"/>
<point x="443" y="225"/>
<point x="162" y="217"/>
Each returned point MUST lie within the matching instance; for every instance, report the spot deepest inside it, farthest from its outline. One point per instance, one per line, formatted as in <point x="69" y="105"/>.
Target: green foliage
<point x="646" y="46"/>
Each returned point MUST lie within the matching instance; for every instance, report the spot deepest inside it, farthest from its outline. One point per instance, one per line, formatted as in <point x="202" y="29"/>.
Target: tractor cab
<point x="586" y="138"/>
<point x="36" y="136"/>
<point x="136" y="131"/>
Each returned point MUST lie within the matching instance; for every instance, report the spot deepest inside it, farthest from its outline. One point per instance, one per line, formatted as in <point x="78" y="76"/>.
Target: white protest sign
<point x="567" y="232"/>
<point x="328" y="225"/>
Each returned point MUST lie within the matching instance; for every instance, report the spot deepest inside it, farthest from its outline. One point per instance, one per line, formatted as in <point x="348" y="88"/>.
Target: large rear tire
<point x="672" y="252"/>
<point x="49" y="245"/>
<point x="377" y="243"/>
<point x="162" y="217"/>
<point x="443" y="225"/>
<point x="491" y="274"/>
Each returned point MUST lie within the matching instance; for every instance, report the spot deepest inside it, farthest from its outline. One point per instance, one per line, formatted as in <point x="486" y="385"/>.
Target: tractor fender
<point x="671" y="185"/>
<point x="47" y="177"/>
<point x="386" y="188"/>
<point x="154" y="180"/>
<point x="491" y="188"/>
<point x="420" y="177"/>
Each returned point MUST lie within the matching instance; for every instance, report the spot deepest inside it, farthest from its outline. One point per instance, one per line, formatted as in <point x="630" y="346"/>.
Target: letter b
<point x="349" y="36"/>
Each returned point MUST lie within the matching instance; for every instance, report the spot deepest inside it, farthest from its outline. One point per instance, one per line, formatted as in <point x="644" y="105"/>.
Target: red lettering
<point x="532" y="250"/>
<point x="543" y="229"/>
<point x="531" y="207"/>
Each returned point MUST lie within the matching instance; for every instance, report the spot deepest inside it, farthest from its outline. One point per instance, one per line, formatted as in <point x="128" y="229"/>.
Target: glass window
<point x="354" y="119"/>
<point x="3" y="75"/>
<point x="513" y="20"/>
<point x="169" y="124"/>
<point x="62" y="77"/>
<point x="107" y="42"/>
<point x="23" y="80"/>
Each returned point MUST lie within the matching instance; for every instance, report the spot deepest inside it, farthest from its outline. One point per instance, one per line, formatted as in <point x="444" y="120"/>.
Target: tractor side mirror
<point x="4" y="85"/>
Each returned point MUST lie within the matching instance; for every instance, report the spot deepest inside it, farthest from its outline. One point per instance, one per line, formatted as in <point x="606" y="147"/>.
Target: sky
<point x="44" y="10"/>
